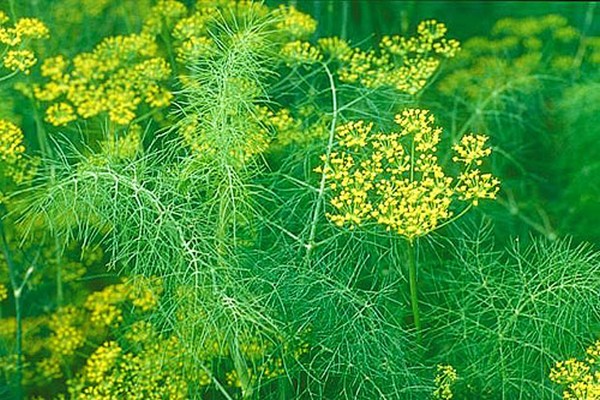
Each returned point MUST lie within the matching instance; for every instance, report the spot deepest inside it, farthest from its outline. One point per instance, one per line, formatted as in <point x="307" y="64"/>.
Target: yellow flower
<point x="404" y="63"/>
<point x="60" y="114"/>
<point x="3" y="292"/>
<point x="471" y="149"/>
<point x="11" y="142"/>
<point x="394" y="179"/>
<point x="580" y="379"/>
<point x="104" y="305"/>
<point x="19" y="60"/>
<point x="300" y="53"/>
<point x="54" y="67"/>
<point x="334" y="47"/>
<point x="446" y="377"/>
<point x="295" y="23"/>
<point x="31" y="28"/>
<point x="102" y="361"/>
<point x="3" y="18"/>
<point x="115" y="78"/>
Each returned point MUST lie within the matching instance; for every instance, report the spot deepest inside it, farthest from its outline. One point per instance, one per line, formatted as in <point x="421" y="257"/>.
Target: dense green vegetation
<point x="229" y="199"/>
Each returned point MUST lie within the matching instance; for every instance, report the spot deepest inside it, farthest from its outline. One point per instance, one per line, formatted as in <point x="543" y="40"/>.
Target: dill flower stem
<point x="11" y="7"/>
<point x="59" y="281"/>
<point x="317" y="210"/>
<point x="17" y="291"/>
<point x="412" y="280"/>
<point x="6" y="77"/>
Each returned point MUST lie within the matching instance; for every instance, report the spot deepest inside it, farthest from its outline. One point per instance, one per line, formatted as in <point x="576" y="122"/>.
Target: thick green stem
<point x="412" y="279"/>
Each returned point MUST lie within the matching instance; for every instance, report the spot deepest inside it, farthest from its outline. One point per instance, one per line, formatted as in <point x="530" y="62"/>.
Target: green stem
<point x="412" y="279"/>
<point x="19" y="345"/>
<point x="17" y="290"/>
<point x="11" y="7"/>
<point x="59" y="282"/>
<point x="321" y="191"/>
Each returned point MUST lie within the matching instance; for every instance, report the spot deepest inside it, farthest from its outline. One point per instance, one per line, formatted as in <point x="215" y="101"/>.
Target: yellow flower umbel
<point x="444" y="379"/>
<point x="580" y="379"/>
<point x="16" y="39"/>
<point x="406" y="64"/>
<point x="116" y="78"/>
<point x="15" y="167"/>
<point x="299" y="53"/>
<point x="394" y="179"/>
<point x="11" y="142"/>
<point x="293" y="23"/>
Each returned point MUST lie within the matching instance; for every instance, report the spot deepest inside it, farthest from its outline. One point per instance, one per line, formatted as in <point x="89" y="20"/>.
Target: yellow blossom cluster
<point x="67" y="335"/>
<point x="272" y="368"/>
<point x="298" y="53"/>
<point x="106" y="306"/>
<point x="190" y="34"/>
<point x="11" y="143"/>
<point x="406" y="64"/>
<point x="255" y="140"/>
<point x="145" y="292"/>
<point x="394" y="179"/>
<point x="444" y="379"/>
<point x="580" y="379"/>
<point x="151" y="370"/>
<point x="293" y="23"/>
<point x="14" y="166"/>
<point x="233" y="380"/>
<point x="3" y="292"/>
<point x="103" y="305"/>
<point x="334" y="47"/>
<point x="287" y="129"/>
<point x="513" y="57"/>
<point x="119" y="75"/>
<point x="163" y="16"/>
<point x="17" y="56"/>
<point x="102" y="361"/>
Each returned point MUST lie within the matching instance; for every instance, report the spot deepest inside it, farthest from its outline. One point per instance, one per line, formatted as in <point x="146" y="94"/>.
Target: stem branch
<point x="412" y="279"/>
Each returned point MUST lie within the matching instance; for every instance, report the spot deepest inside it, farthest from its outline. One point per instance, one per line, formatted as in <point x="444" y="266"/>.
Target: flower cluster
<point x="394" y="179"/>
<point x="294" y="23"/>
<point x="299" y="53"/>
<point x="105" y="306"/>
<point x="151" y="372"/>
<point x="444" y="380"/>
<point x="124" y="145"/>
<point x="14" y="166"/>
<point x="255" y="141"/>
<point x="121" y="73"/>
<point x="512" y="57"/>
<point x="67" y="335"/>
<point x="17" y="56"/>
<point x="190" y="36"/>
<point x="163" y="16"/>
<point x="3" y="292"/>
<point x="580" y="379"/>
<point x="334" y="47"/>
<point x="11" y="143"/>
<point x="406" y="64"/>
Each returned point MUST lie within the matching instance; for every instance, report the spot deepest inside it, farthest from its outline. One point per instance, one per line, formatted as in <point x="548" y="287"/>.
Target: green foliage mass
<point x="167" y="195"/>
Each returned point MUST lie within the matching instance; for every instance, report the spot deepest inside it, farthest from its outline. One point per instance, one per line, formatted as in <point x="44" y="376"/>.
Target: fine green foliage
<point x="512" y="315"/>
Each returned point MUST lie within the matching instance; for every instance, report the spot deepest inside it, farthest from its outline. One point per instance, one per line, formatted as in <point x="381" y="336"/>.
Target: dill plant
<point x="185" y="218"/>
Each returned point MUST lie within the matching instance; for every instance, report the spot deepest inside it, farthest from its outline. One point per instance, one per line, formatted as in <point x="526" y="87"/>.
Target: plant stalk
<point x="412" y="279"/>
